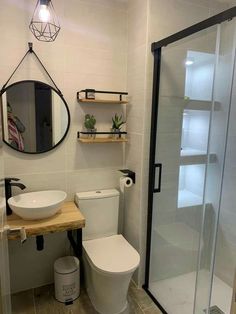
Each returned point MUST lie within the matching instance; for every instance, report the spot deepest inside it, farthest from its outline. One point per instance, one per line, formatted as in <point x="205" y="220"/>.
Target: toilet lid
<point x="112" y="254"/>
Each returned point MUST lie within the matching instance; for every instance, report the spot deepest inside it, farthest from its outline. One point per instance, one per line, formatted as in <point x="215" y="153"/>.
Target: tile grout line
<point x="34" y="302"/>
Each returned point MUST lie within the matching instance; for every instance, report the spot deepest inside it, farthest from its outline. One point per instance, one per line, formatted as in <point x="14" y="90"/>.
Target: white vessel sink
<point x="37" y="205"/>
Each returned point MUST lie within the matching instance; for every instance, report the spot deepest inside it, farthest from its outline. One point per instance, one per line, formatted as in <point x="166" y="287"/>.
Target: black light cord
<point x="30" y="50"/>
<point x="59" y="92"/>
<point x="14" y="72"/>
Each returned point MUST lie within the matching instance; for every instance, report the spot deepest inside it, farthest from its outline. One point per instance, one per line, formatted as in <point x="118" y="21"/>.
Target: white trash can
<point x="67" y="279"/>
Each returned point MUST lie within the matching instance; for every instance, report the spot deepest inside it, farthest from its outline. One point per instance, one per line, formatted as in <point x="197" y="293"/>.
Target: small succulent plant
<point x="117" y="122"/>
<point x="89" y="121"/>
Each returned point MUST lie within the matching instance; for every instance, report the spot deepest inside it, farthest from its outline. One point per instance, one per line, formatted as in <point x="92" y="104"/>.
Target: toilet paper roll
<point x="125" y="182"/>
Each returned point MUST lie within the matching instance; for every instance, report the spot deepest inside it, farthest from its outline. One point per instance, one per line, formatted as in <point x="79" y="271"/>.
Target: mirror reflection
<point x="35" y="117"/>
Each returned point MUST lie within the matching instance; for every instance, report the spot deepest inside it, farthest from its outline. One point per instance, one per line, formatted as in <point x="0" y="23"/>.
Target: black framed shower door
<point x="181" y="158"/>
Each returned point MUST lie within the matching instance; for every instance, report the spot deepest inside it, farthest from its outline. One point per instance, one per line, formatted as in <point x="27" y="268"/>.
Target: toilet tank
<point x="101" y="210"/>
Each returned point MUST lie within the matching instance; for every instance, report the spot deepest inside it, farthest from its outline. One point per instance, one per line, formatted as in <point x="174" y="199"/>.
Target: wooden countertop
<point x="68" y="218"/>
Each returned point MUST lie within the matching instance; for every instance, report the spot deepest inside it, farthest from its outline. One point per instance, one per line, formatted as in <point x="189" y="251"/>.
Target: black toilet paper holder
<point x="129" y="173"/>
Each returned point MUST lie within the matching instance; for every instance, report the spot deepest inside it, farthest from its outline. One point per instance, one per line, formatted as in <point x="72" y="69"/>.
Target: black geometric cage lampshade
<point x="44" y="24"/>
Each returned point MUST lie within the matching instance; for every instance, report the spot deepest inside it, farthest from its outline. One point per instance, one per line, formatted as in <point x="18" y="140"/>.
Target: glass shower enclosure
<point x="191" y="237"/>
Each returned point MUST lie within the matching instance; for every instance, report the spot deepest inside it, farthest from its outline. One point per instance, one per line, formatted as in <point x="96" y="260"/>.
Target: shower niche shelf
<point x="204" y="105"/>
<point x="195" y="157"/>
<point x="188" y="199"/>
<point x="191" y="182"/>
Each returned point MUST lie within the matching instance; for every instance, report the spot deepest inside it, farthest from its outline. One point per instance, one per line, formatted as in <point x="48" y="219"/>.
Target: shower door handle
<point x="158" y="189"/>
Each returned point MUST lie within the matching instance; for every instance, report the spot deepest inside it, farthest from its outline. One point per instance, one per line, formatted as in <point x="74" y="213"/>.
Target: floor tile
<point x="140" y="296"/>
<point x="23" y="303"/>
<point x="41" y="301"/>
<point x="45" y="303"/>
<point x="133" y="307"/>
<point x="152" y="310"/>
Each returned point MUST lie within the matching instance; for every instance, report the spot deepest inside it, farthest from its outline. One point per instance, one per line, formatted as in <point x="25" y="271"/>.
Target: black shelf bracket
<point x="39" y="242"/>
<point x="76" y="245"/>
<point x="100" y="133"/>
<point x="30" y="47"/>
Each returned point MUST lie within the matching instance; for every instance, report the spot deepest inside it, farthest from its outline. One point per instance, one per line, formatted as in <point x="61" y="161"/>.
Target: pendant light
<point x="44" y="24"/>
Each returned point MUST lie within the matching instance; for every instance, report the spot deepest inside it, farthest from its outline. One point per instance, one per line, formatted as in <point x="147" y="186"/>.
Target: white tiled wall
<point x="90" y="52"/>
<point x="137" y="45"/>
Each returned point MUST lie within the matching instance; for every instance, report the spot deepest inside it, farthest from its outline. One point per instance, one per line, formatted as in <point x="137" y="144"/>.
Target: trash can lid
<point x="66" y="264"/>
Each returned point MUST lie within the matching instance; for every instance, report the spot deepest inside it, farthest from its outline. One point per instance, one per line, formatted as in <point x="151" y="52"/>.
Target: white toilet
<point x="109" y="260"/>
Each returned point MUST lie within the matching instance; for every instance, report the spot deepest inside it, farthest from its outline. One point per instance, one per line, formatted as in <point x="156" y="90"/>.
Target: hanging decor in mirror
<point x="35" y="115"/>
<point x="44" y="23"/>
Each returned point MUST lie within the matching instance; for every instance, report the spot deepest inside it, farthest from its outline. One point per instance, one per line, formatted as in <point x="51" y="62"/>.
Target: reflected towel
<point x="14" y="135"/>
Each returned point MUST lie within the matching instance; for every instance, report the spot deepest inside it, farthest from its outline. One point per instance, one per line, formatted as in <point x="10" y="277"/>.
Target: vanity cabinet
<point x="69" y="218"/>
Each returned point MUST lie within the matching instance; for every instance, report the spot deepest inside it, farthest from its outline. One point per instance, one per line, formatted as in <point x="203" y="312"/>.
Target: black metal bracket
<point x="129" y="173"/>
<point x="91" y="90"/>
<point x="30" y="47"/>
<point x="100" y="133"/>
<point x="76" y="245"/>
<point x="39" y="242"/>
<point x="29" y="51"/>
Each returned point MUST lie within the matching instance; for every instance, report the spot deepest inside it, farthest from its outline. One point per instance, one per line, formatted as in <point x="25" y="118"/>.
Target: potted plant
<point x="89" y="123"/>
<point x="117" y="122"/>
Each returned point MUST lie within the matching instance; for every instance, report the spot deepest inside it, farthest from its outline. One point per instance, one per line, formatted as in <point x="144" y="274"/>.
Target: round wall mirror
<point x="35" y="117"/>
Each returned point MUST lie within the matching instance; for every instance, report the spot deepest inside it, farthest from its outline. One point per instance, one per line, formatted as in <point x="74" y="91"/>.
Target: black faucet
<point x="8" y="191"/>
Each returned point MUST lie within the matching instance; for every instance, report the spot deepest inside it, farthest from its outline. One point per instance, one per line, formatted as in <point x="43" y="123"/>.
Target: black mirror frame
<point x="65" y="103"/>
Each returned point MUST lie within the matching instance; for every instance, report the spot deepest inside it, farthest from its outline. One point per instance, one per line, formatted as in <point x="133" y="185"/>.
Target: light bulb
<point x="189" y="61"/>
<point x="44" y="13"/>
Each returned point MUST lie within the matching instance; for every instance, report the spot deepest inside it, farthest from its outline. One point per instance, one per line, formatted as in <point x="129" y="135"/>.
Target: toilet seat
<point x="112" y="255"/>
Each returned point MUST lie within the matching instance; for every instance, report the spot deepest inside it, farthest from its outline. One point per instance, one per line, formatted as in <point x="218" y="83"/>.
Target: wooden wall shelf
<point x="102" y="140"/>
<point x="86" y="99"/>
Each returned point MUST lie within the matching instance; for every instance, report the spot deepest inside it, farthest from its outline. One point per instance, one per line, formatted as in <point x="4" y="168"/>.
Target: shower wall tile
<point x="137" y="24"/>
